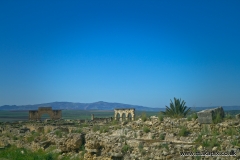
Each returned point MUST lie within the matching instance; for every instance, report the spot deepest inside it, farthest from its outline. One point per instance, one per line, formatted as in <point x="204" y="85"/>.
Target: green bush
<point x="215" y="132"/>
<point x="189" y="118"/>
<point x="228" y="116"/>
<point x="235" y="142"/>
<point x="141" y="150"/>
<point x="217" y="118"/>
<point x="125" y="148"/>
<point x="58" y="133"/>
<point x="96" y="128"/>
<point x="15" y="138"/>
<point x="199" y="139"/>
<point x="164" y="145"/>
<point x="135" y="135"/>
<point x="162" y="137"/>
<point x="114" y="122"/>
<point x="183" y="131"/>
<point x="85" y="125"/>
<point x="143" y="116"/>
<point x="153" y="136"/>
<point x="12" y="152"/>
<point x="140" y="146"/>
<point x="146" y="129"/>
<point x="160" y="117"/>
<point x="33" y="136"/>
<point x="194" y="116"/>
<point x="205" y="130"/>
<point x="49" y="157"/>
<point x="104" y="129"/>
<point x="230" y="131"/>
<point x="117" y="127"/>
<point x="213" y="142"/>
<point x="77" y="130"/>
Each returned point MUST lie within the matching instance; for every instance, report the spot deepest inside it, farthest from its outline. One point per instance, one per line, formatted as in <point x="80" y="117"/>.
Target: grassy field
<point x="66" y="114"/>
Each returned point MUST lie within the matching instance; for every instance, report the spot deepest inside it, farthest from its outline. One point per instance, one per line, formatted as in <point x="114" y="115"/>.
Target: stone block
<point x="207" y="116"/>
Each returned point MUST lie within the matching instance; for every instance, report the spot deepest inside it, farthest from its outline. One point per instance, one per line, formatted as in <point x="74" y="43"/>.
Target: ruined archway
<point x="124" y="118"/>
<point x="129" y="117"/>
<point x="124" y="114"/>
<point x="117" y="117"/>
<point x="44" y="116"/>
<point x="36" y="114"/>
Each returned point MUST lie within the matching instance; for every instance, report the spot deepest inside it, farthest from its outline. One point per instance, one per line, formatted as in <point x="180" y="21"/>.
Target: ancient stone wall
<point x="96" y="119"/>
<point x="124" y="114"/>
<point x="36" y="114"/>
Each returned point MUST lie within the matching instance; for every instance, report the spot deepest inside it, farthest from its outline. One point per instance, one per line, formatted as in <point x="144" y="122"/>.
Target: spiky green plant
<point x="177" y="109"/>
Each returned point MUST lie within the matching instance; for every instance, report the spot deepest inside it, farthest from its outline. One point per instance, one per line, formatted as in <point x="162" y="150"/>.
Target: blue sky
<point x="133" y="52"/>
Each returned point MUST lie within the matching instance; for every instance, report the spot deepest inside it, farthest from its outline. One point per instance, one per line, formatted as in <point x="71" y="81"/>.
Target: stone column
<point x="133" y="117"/>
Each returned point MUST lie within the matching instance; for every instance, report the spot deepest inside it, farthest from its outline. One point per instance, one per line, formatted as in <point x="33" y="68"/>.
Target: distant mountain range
<point x="98" y="106"/>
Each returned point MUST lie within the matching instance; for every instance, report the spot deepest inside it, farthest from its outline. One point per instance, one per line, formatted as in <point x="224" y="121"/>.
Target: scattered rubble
<point x="131" y="140"/>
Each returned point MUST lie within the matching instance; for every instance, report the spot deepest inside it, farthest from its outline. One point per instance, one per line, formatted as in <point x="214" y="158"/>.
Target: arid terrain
<point x="155" y="137"/>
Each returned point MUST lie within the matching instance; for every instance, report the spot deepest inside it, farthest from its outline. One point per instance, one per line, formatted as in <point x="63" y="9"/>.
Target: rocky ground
<point x="151" y="138"/>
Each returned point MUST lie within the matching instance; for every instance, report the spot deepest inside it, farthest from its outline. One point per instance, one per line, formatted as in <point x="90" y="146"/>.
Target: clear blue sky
<point x="133" y="52"/>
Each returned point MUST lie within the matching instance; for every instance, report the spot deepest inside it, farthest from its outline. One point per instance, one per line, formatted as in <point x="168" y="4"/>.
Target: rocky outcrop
<point x="72" y="142"/>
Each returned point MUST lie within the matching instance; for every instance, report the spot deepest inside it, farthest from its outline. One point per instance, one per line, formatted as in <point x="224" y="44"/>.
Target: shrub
<point x="135" y="135"/>
<point x="164" y="145"/>
<point x="58" y="133"/>
<point x="77" y="131"/>
<point x="153" y="136"/>
<point x="160" y="117"/>
<point x="183" y="131"/>
<point x="228" y="116"/>
<point x="15" y="138"/>
<point x="235" y="142"/>
<point x="141" y="150"/>
<point x="217" y="118"/>
<point x="33" y="136"/>
<point x="230" y="131"/>
<point x="125" y="148"/>
<point x="96" y="128"/>
<point x="194" y="116"/>
<point x="177" y="109"/>
<point x="114" y="122"/>
<point x="162" y="137"/>
<point x="117" y="127"/>
<point x="143" y="116"/>
<point x="12" y="152"/>
<point x="146" y="129"/>
<point x="205" y="130"/>
<point x="199" y="139"/>
<point x="104" y="129"/>
<point x="215" y="132"/>
<point x="211" y="143"/>
<point x="49" y="157"/>
<point x="140" y="146"/>
<point x="85" y="125"/>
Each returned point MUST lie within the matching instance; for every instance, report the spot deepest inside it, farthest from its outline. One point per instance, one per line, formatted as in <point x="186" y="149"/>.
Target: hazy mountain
<point x="79" y="106"/>
<point x="98" y="106"/>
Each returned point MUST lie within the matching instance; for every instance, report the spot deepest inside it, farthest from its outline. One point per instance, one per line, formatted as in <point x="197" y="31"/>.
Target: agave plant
<point x="177" y="109"/>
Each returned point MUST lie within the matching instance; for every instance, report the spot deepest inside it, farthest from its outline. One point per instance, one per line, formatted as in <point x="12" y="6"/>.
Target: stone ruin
<point x="37" y="114"/>
<point x="124" y="114"/>
<point x="207" y="116"/>
<point x="96" y="119"/>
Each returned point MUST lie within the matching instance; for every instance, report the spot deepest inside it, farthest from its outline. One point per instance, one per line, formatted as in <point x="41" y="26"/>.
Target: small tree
<point x="177" y="109"/>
